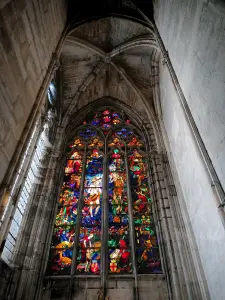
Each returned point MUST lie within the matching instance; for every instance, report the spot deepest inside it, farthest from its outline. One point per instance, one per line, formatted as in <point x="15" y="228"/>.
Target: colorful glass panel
<point x="96" y="142"/>
<point x="124" y="133"/>
<point x="147" y="249"/>
<point x="116" y="142"/>
<point x="88" y="259"/>
<point x="119" y="253"/>
<point x="105" y="120"/>
<point x="60" y="257"/>
<point x="134" y="142"/>
<point x="77" y="143"/>
<point x="87" y="133"/>
<point x="89" y="239"/>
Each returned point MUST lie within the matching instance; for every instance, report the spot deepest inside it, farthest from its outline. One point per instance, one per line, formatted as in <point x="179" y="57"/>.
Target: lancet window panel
<point x="24" y="195"/>
<point x="104" y="223"/>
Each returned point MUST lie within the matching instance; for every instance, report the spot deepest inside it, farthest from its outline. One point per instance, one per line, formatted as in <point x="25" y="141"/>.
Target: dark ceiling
<point x="83" y="10"/>
<point x="110" y="51"/>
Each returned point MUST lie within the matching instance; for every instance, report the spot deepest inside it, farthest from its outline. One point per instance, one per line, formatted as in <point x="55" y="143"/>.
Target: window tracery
<point x="107" y="146"/>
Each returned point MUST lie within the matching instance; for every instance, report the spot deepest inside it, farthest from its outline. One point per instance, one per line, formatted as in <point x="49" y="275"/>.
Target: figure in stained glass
<point x="127" y="171"/>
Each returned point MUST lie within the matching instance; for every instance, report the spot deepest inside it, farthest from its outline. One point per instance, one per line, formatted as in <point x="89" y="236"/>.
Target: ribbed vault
<point x="109" y="57"/>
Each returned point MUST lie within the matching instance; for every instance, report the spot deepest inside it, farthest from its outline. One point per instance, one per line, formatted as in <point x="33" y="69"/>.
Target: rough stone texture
<point x="196" y="190"/>
<point x="88" y="75"/>
<point x="109" y="32"/>
<point x="123" y="289"/>
<point x="29" y="33"/>
<point x="195" y="42"/>
<point x="110" y="83"/>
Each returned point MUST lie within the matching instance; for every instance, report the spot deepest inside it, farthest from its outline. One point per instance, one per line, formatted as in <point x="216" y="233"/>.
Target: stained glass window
<point x="88" y="258"/>
<point x="66" y="217"/>
<point x="105" y="205"/>
<point x="119" y="256"/>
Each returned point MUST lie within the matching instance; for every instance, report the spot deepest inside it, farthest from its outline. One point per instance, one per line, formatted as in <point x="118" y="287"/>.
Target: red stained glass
<point x="90" y="232"/>
<point x="106" y="112"/>
<point x="119" y="255"/>
<point x="147" y="250"/>
<point x="122" y="140"/>
<point x="105" y="119"/>
<point x="135" y="142"/>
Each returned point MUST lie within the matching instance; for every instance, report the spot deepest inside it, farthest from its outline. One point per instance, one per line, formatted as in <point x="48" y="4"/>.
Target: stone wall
<point x="29" y="33"/>
<point x="153" y="287"/>
<point x="195" y="193"/>
<point x="195" y="43"/>
<point x="193" y="34"/>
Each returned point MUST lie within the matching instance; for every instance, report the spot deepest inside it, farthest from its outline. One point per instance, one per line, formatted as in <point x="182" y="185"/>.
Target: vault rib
<point x="145" y="40"/>
<point x="81" y="90"/>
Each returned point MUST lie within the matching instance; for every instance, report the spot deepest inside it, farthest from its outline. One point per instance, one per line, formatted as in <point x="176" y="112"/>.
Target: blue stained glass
<point x="94" y="181"/>
<point x="60" y="258"/>
<point x="106" y="126"/>
<point x="105" y="119"/>
<point x="147" y="251"/>
<point x="87" y="133"/>
<point x="124" y="133"/>
<point x="116" y="115"/>
<point x="95" y="122"/>
<point x="66" y="215"/>
<point x="89" y="258"/>
<point x="63" y="236"/>
<point x="119" y="255"/>
<point x="90" y="229"/>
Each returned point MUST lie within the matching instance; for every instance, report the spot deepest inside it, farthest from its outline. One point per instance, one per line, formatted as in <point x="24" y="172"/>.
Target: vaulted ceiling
<point x="108" y="54"/>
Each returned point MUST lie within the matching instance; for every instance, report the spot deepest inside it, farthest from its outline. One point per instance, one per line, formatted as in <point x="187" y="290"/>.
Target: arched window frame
<point x="105" y="198"/>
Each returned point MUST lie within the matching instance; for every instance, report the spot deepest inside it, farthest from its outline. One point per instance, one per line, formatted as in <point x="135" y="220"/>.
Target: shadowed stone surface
<point x="29" y="33"/>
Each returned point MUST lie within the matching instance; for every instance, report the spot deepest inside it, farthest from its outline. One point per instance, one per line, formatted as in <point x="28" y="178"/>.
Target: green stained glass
<point x="85" y="210"/>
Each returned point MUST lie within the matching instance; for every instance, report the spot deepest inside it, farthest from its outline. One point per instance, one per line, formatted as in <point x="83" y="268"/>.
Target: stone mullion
<point x="104" y="228"/>
<point x="131" y="227"/>
<point x="166" y="226"/>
